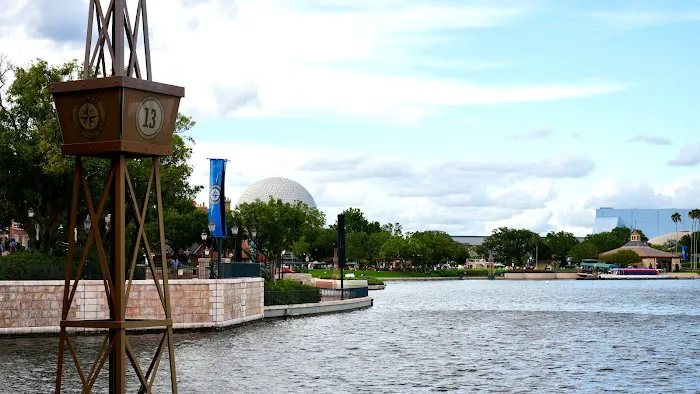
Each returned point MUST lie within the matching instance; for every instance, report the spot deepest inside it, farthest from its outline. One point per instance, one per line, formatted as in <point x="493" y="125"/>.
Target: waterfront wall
<point x="318" y="308"/>
<point x="540" y="275"/>
<point x="35" y="306"/>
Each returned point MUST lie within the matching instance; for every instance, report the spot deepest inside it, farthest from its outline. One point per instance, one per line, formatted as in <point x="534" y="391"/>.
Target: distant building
<point x="652" y="222"/>
<point x="651" y="258"/>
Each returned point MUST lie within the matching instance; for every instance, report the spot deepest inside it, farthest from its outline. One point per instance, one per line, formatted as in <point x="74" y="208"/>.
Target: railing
<point x="344" y="294"/>
<point x="182" y="272"/>
<point x="292" y="297"/>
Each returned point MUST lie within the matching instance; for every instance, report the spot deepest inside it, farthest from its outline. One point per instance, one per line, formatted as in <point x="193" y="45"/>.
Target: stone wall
<point x="35" y="306"/>
<point x="540" y="275"/>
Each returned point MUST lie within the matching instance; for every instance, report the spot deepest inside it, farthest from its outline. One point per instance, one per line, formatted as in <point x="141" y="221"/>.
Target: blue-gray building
<point x="652" y="222"/>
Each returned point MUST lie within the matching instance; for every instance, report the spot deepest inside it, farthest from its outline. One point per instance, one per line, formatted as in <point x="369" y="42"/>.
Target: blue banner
<point x="217" y="209"/>
<point x="684" y="251"/>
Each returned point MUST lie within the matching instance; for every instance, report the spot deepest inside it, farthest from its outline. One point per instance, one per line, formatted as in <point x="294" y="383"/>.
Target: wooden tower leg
<point x="117" y="357"/>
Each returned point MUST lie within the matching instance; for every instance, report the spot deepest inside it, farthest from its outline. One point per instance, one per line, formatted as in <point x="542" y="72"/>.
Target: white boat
<point x="634" y="273"/>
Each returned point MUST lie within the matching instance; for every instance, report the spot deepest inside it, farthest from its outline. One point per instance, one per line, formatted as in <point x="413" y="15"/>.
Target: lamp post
<point x="87" y="225"/>
<point x="30" y="213"/>
<point x="204" y="240"/>
<point x="234" y="232"/>
<point x="212" y="227"/>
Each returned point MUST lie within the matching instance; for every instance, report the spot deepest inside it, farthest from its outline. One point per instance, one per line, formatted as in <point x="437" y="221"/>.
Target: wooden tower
<point x="116" y="112"/>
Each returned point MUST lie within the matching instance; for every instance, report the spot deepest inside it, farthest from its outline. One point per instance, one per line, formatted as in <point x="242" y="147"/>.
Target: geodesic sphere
<point x="278" y="188"/>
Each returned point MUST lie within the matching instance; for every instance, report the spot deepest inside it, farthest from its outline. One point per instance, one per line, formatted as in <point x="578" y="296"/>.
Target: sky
<point x="460" y="116"/>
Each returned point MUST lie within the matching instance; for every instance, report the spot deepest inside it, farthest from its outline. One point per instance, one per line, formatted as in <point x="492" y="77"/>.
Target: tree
<point x="583" y="250"/>
<point x="511" y="245"/>
<point x="355" y="222"/>
<point x="613" y="239"/>
<point x="429" y="248"/>
<point x="560" y="243"/>
<point x="694" y="215"/>
<point x="622" y="258"/>
<point x="278" y="225"/>
<point x="35" y="175"/>
<point x="357" y="246"/>
<point x="676" y="217"/>
<point x="393" y="249"/>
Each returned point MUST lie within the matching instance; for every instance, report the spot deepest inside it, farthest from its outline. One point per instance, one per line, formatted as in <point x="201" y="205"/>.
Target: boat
<point x="634" y="273"/>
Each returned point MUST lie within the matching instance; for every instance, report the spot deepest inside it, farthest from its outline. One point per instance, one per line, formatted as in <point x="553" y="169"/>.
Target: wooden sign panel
<point x="116" y="115"/>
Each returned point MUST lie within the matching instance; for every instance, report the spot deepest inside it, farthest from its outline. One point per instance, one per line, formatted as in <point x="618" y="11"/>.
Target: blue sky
<point x="454" y="115"/>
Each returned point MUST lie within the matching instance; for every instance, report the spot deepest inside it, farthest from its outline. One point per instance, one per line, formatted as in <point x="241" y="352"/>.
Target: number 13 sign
<point x="149" y="118"/>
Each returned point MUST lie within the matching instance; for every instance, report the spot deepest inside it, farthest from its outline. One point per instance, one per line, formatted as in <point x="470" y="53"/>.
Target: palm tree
<point x="676" y="217"/>
<point x="694" y="214"/>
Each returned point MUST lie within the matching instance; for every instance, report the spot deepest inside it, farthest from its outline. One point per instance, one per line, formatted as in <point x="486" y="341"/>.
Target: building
<point x="651" y="258"/>
<point x="652" y="222"/>
<point x="278" y="188"/>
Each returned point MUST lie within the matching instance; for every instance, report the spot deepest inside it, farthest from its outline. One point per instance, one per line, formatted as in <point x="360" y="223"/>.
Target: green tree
<point x="355" y="222"/>
<point x="429" y="248"/>
<point x="511" y="245"/>
<point x="278" y="225"/>
<point x="35" y="175"/>
<point x="357" y="247"/>
<point x="622" y="258"/>
<point x="613" y="239"/>
<point x="560" y="243"/>
<point x="393" y="248"/>
<point x="300" y="247"/>
<point x="583" y="250"/>
<point x="676" y="217"/>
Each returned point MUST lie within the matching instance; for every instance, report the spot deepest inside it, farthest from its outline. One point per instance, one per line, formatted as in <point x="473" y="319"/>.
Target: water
<point x="453" y="336"/>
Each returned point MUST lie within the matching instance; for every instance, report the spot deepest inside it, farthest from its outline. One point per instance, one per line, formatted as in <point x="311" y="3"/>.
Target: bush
<point x="286" y="292"/>
<point x="373" y="280"/>
<point x="38" y="266"/>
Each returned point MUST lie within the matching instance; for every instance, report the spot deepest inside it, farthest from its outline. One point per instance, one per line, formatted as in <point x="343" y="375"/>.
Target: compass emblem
<point x="89" y="116"/>
<point x="214" y="194"/>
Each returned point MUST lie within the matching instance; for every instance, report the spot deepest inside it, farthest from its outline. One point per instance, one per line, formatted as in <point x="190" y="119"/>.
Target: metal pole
<point x="117" y="359"/>
<point x="342" y="291"/>
<point x="218" y="258"/>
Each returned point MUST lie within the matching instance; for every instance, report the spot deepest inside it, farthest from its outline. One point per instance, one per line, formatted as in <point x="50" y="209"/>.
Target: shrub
<point x="287" y="291"/>
<point x="38" y="266"/>
<point x="373" y="280"/>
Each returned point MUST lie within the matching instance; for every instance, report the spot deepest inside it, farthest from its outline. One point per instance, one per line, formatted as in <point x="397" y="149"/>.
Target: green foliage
<point x="39" y="266"/>
<point x="511" y="245"/>
<point x="287" y="292"/>
<point x="372" y="280"/>
<point x="560" y="243"/>
<point x="278" y="225"/>
<point x="613" y="239"/>
<point x="355" y="222"/>
<point x="584" y="250"/>
<point x="36" y="175"/>
<point x="622" y="258"/>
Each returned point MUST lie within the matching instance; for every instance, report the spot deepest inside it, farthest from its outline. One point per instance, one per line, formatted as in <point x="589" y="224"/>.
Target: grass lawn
<point x="398" y="274"/>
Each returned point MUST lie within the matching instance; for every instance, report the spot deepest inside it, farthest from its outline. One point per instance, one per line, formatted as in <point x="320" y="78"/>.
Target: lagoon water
<point x="447" y="336"/>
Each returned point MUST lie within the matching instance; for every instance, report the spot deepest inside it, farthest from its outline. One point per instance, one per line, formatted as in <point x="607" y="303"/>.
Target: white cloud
<point x="688" y="156"/>
<point x="280" y="58"/>
<point x="650" y="139"/>
<point x="634" y="19"/>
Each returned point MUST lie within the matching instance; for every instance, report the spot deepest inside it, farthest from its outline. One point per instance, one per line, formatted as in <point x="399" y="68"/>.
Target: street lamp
<point x="234" y="231"/>
<point x="87" y="224"/>
<point x="30" y="213"/>
<point x="212" y="227"/>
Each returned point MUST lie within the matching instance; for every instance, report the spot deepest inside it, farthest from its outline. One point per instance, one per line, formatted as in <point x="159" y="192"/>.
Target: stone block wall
<point x="35" y="306"/>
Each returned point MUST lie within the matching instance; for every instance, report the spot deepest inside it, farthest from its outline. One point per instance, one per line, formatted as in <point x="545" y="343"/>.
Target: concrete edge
<point x="12" y="331"/>
<point x="276" y="311"/>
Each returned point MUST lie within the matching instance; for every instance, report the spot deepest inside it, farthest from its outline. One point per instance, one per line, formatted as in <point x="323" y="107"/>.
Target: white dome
<point x="663" y="238"/>
<point x="278" y="188"/>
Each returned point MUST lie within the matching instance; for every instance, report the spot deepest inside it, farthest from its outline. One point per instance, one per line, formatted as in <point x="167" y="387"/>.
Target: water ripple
<point x="457" y="336"/>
